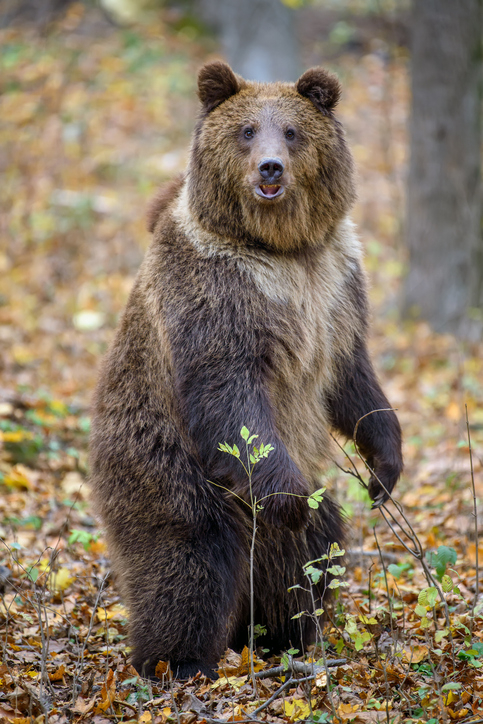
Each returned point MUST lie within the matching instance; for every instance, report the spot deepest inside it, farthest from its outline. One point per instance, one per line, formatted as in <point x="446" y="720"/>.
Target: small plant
<point x="253" y="455"/>
<point x="83" y="537"/>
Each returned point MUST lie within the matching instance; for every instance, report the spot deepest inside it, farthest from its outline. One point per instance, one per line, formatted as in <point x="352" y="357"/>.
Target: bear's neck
<point x="282" y="229"/>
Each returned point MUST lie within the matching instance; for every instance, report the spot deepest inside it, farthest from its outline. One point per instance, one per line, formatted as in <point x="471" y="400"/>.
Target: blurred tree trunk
<point x="444" y="203"/>
<point x="40" y="12"/>
<point x="258" y="36"/>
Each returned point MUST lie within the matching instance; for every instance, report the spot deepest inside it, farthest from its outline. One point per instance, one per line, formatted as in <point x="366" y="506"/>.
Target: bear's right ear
<point x="216" y="83"/>
<point x="320" y="87"/>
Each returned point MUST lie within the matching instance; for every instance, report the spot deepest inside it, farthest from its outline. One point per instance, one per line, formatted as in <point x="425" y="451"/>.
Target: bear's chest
<point x="300" y="297"/>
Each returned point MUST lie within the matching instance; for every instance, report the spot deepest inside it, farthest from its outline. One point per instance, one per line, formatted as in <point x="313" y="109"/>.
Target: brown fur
<point x="164" y="197"/>
<point x="246" y="311"/>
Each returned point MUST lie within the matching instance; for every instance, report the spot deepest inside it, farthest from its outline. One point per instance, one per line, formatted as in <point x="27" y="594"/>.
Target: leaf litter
<point x="92" y="118"/>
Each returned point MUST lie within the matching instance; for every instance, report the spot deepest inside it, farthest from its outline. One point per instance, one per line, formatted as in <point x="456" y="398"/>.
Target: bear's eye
<point x="248" y="132"/>
<point x="290" y="134"/>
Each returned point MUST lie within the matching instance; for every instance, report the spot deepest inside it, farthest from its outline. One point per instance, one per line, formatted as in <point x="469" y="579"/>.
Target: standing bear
<point x="250" y="309"/>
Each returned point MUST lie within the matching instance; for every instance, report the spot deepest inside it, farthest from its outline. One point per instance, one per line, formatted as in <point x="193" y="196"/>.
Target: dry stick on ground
<point x="298" y="667"/>
<point x="80" y="663"/>
<point x="282" y="688"/>
<point x="475" y="515"/>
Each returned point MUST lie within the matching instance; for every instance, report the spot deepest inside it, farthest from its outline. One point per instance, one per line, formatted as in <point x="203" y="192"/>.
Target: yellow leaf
<point x="366" y="620"/>
<point x="17" y="478"/>
<point x="296" y="709"/>
<point x="97" y="547"/>
<point x="453" y="411"/>
<point x="108" y="693"/>
<point x="59" y="407"/>
<point x="117" y="611"/>
<point x="450" y="697"/>
<point x="233" y="681"/>
<point x="60" y="580"/>
<point x="145" y="718"/>
<point x="162" y="668"/>
<point x="245" y="662"/>
<point x="58" y="674"/>
<point x="415" y="654"/>
<point x="16" y="436"/>
<point x="345" y="709"/>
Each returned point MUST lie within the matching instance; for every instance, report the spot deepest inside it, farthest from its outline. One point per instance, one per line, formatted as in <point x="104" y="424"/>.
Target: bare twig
<point x="285" y="685"/>
<point x="80" y="662"/>
<point x="417" y="552"/>
<point x="298" y="667"/>
<point x="475" y="515"/>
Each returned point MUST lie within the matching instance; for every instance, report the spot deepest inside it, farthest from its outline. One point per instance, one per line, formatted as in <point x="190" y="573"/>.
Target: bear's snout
<point x="271" y="169"/>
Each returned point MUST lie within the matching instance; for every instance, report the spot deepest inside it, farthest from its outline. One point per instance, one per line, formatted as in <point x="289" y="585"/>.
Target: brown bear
<point x="249" y="310"/>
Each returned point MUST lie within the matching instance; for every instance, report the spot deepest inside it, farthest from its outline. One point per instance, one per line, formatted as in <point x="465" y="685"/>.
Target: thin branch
<point x="475" y="514"/>
<point x="298" y="667"/>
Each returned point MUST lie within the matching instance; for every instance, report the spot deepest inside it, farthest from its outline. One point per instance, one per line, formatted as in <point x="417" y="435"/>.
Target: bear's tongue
<point x="270" y="190"/>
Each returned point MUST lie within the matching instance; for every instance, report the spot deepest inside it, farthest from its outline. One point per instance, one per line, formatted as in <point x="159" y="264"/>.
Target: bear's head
<point x="269" y="163"/>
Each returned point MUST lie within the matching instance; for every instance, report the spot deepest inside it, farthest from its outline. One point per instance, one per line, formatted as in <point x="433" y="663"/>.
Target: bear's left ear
<point x="216" y="83"/>
<point x="321" y="87"/>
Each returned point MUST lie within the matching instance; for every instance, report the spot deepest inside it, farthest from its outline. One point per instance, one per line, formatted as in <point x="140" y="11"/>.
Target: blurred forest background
<point x="97" y="103"/>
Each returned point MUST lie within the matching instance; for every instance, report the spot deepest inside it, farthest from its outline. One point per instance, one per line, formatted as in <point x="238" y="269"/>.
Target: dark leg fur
<point x="186" y="617"/>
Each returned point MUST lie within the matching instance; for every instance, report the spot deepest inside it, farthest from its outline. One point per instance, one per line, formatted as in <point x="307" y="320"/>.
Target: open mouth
<point x="269" y="191"/>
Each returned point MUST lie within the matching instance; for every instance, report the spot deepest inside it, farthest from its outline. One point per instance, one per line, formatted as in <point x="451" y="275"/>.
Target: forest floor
<point x="92" y="119"/>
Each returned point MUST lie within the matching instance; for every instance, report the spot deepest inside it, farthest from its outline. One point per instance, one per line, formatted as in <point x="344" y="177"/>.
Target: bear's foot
<point x="181" y="669"/>
<point x="188" y="669"/>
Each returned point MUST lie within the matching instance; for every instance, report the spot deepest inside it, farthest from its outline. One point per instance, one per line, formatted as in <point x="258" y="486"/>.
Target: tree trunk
<point x="444" y="204"/>
<point x="258" y="36"/>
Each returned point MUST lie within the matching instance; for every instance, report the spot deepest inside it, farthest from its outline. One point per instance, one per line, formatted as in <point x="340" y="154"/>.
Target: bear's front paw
<point x="292" y="510"/>
<point x="381" y="484"/>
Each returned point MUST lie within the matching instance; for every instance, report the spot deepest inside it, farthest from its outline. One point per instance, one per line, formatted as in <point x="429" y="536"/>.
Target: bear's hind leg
<point x="185" y="596"/>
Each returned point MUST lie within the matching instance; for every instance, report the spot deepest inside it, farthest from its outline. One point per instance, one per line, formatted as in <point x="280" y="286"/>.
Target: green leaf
<point x="235" y="451"/>
<point x="428" y="596"/>
<point x="335" y="551"/>
<point x="319" y="612"/>
<point x="314" y="573"/>
<point x="367" y="620"/>
<point x="452" y="686"/>
<point x="33" y="574"/>
<point x="420" y="610"/>
<point x="440" y="560"/>
<point x="244" y="433"/>
<point x="440" y="635"/>
<point x="339" y="647"/>
<point x="312" y="503"/>
<point x="446" y="583"/>
<point x="251" y="439"/>
<point x="298" y="615"/>
<point x="336" y="570"/>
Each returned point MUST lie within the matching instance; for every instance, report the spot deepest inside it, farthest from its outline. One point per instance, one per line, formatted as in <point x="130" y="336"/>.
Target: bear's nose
<point x="271" y="168"/>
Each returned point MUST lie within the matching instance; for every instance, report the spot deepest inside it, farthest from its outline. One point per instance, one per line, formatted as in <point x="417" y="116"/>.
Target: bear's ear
<point x="216" y="83"/>
<point x="321" y="87"/>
